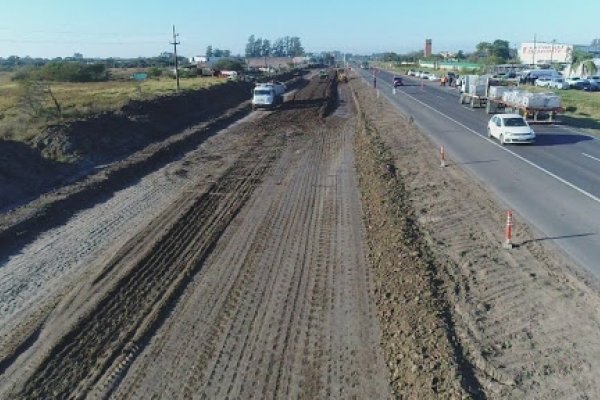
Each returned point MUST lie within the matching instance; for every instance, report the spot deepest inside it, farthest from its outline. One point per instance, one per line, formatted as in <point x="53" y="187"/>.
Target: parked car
<point x="591" y="86"/>
<point x="558" y="82"/>
<point x="398" y="81"/>
<point x="434" y="77"/>
<point x="594" y="82"/>
<point x="419" y="74"/>
<point x="575" y="82"/>
<point x="543" y="81"/>
<point x="425" y="74"/>
<point x="411" y="72"/>
<point x="510" y="128"/>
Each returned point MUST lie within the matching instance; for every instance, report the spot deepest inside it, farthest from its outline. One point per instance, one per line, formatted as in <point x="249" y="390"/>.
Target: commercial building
<point x="545" y="53"/>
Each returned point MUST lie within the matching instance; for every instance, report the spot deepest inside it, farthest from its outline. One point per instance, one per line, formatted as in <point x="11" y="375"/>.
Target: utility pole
<point x="534" y="49"/>
<point x="175" y="43"/>
<point x="552" y="52"/>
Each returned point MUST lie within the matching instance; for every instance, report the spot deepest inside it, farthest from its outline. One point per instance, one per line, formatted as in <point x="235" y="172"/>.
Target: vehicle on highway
<point x="510" y="128"/>
<point x="543" y="81"/>
<point x="558" y="82"/>
<point x="398" y="81"/>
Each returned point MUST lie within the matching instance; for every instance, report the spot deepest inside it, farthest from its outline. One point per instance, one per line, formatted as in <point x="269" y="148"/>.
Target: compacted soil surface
<point x="313" y="251"/>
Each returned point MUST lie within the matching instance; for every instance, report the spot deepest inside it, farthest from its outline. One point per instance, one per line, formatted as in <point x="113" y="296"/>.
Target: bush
<point x="63" y="71"/>
<point x="229" y="65"/>
<point x="155" y="72"/>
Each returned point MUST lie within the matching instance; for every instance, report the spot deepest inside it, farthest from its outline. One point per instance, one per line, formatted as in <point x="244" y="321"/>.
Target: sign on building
<point x="545" y="53"/>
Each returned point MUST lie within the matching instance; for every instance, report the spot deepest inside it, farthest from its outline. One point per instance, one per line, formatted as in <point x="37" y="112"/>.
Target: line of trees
<point x="210" y="52"/>
<point x="64" y="71"/>
<point x="287" y="46"/>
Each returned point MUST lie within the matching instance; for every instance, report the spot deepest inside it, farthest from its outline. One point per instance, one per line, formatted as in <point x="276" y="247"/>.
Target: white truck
<point x="268" y="95"/>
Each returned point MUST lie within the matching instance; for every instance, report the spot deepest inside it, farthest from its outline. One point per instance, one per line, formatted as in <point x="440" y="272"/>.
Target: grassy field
<point x="81" y="99"/>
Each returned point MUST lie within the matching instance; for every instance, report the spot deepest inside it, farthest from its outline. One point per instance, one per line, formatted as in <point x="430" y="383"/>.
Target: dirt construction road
<point x="292" y="255"/>
<point x="250" y="283"/>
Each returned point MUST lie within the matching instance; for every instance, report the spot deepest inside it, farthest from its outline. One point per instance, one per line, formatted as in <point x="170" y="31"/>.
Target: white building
<point x="545" y="53"/>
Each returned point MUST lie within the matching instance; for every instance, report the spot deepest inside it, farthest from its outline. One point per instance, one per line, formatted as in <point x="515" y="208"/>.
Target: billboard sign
<point x="545" y="53"/>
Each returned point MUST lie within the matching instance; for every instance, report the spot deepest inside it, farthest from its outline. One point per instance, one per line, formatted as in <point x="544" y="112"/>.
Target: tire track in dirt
<point x="275" y="323"/>
<point x="148" y="286"/>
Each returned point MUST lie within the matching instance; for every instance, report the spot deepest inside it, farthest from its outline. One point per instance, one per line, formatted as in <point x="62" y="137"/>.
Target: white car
<point x="510" y="128"/>
<point x="434" y="78"/>
<point x="558" y="82"/>
<point x="574" y="81"/>
<point x="425" y="74"/>
<point x="543" y="81"/>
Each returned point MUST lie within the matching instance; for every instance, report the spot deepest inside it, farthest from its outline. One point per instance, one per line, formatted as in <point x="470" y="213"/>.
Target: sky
<point x="132" y="28"/>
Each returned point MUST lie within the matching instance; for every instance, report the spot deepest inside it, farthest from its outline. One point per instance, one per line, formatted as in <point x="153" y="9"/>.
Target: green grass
<point x="83" y="99"/>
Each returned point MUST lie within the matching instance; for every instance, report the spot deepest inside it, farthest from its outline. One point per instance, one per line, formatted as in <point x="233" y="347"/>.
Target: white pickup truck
<point x="268" y="95"/>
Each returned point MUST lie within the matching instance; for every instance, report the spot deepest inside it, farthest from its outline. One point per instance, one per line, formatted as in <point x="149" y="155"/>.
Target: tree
<point x="460" y="55"/>
<point x="250" y="46"/>
<point x="500" y="50"/>
<point x="483" y="49"/>
<point x="266" y="48"/>
<point x="33" y="95"/>
<point x="218" y="53"/>
<point x="209" y="51"/>
<point x="258" y="45"/>
<point x="229" y="65"/>
<point x="295" y="47"/>
<point x="278" y="49"/>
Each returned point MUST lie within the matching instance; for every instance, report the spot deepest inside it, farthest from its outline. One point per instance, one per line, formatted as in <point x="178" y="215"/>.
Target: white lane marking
<point x="544" y="170"/>
<point x="592" y="157"/>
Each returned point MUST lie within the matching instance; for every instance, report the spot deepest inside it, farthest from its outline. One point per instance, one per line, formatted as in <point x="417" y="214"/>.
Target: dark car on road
<point x="398" y="81"/>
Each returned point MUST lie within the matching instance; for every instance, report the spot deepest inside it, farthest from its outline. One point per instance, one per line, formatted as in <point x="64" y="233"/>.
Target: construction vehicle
<point x="342" y="75"/>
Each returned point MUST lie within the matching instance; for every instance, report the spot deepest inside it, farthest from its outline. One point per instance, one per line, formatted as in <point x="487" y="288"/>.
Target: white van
<point x="267" y="95"/>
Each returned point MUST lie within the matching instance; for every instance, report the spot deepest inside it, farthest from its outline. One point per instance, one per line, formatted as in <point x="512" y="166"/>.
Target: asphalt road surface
<point x="553" y="184"/>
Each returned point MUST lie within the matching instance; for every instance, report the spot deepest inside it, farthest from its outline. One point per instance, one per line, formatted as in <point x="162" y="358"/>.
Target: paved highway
<point x="554" y="184"/>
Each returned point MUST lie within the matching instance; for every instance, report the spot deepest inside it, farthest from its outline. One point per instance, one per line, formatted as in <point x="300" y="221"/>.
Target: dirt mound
<point x="112" y="135"/>
<point x="23" y="172"/>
